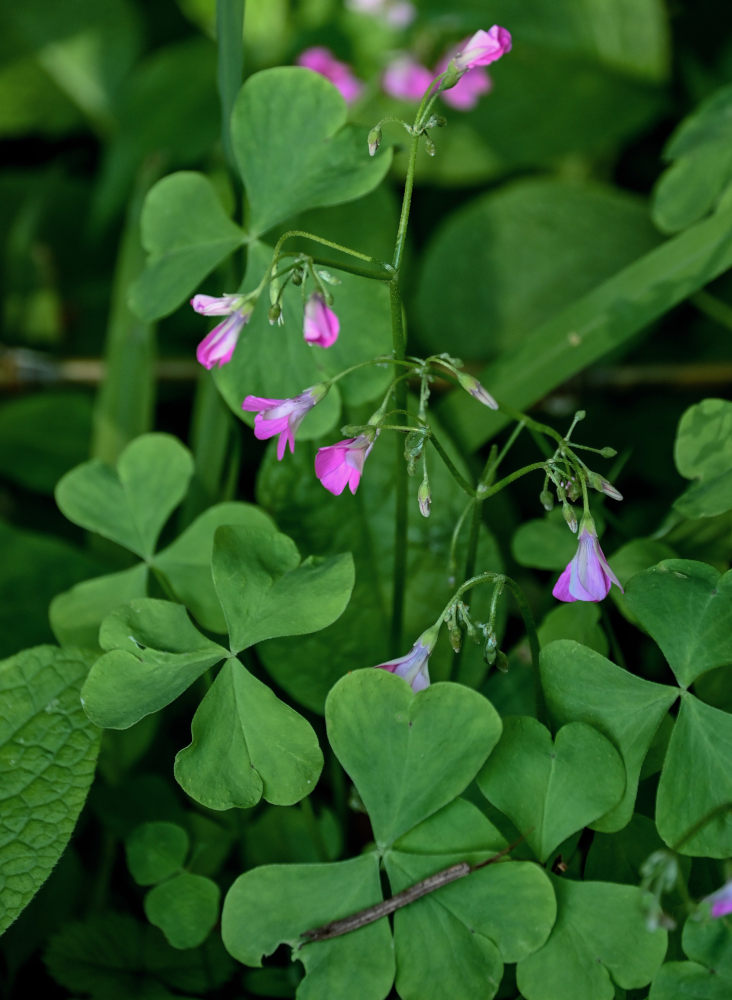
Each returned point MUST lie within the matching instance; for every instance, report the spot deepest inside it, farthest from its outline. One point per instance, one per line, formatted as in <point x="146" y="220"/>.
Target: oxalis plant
<point x="489" y="809"/>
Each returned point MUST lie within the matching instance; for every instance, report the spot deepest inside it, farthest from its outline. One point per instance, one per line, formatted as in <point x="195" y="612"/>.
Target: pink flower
<point x="340" y="465"/>
<point x="588" y="576"/>
<point x="483" y="48"/>
<point x="413" y="667"/>
<point x="321" y="325"/>
<point x="321" y="60"/>
<point x="282" y="416"/>
<point x="212" y="305"/>
<point x="406" y="79"/>
<point x="218" y="346"/>
<point x="721" y="900"/>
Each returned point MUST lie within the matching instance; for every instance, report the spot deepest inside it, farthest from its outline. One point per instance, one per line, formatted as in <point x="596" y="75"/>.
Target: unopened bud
<point x="501" y="662"/>
<point x="546" y="499"/>
<point x="374" y="140"/>
<point x="429" y="146"/>
<point x="328" y="277"/>
<point x="476" y="390"/>
<point x="569" y="516"/>
<point x="275" y="314"/>
<point x="573" y="488"/>
<point x="424" y="498"/>
<point x="608" y="452"/>
<point x="580" y="415"/>
<point x="603" y="486"/>
<point x="490" y="650"/>
<point x="435" y="121"/>
<point x="297" y="277"/>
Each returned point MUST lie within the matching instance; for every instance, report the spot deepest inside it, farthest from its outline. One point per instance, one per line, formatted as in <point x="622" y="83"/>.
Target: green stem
<point x="230" y="65"/>
<point x="470" y="560"/>
<point x="399" y="342"/>
<point x="497" y="487"/>
<point x="714" y="308"/>
<point x="406" y="205"/>
<point x="333" y="246"/>
<point x="215" y="448"/>
<point x="454" y="472"/>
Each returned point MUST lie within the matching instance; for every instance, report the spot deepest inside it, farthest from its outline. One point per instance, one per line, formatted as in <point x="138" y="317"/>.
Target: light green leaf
<point x="689" y="981"/>
<point x="709" y="942"/>
<point x="277" y="903"/>
<point x="703" y="452"/>
<point x="582" y="686"/>
<point x="48" y="752"/>
<point x="77" y="614"/>
<point x="155" y="653"/>
<point x="186" y="562"/>
<point x="550" y="789"/>
<point x="185" y="908"/>
<point x="632" y="558"/>
<point x="686" y="606"/>
<point x="389" y="740"/>
<point x="265" y="591"/>
<point x="600" y="938"/>
<point x="247" y="744"/>
<point x="579" y="620"/>
<point x="155" y="851"/>
<point x="131" y="504"/>
<point x="187" y="234"/>
<point x="696" y="779"/>
<point x="544" y="543"/>
<point x="293" y="148"/>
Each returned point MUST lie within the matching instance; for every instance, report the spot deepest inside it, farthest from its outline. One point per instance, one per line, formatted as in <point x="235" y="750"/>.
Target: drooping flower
<point x="483" y="48"/>
<point x="217" y="347"/>
<point x="413" y="668"/>
<point x="321" y="325"/>
<point x="321" y="60"/>
<point x="340" y="465"/>
<point x="721" y="900"/>
<point x="216" y="305"/>
<point x="405" y="79"/>
<point x="588" y="576"/>
<point x="282" y="416"/>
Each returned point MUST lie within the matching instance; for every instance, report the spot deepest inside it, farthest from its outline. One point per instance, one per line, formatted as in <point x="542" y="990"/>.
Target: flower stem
<point x="454" y="472"/>
<point x="470" y="560"/>
<point x="399" y="342"/>
<point x="333" y="246"/>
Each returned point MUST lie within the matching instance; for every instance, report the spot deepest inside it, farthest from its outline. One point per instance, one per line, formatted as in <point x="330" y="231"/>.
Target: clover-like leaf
<point x="185" y="908"/>
<point x="76" y="614"/>
<point x="293" y="148"/>
<point x="703" y="452"/>
<point x="708" y="976"/>
<point x="155" y="851"/>
<point x="407" y="754"/>
<point x="129" y="504"/>
<point x="697" y="779"/>
<point x="155" y="653"/>
<point x="48" y="752"/>
<point x="186" y="232"/>
<point x="600" y="938"/>
<point x="552" y="788"/>
<point x="247" y="744"/>
<point x="686" y="606"/>
<point x="582" y="686"/>
<point x="277" y="903"/>
<point x="266" y="591"/>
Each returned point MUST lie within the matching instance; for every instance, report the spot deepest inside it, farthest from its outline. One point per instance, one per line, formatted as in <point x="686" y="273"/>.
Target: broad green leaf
<point x="77" y="614"/>
<point x="129" y="504"/>
<point x="702" y="167"/>
<point x="155" y="851"/>
<point x="632" y="558"/>
<point x="293" y="148"/>
<point x="400" y="748"/>
<point x="696" y="779"/>
<point x="709" y="942"/>
<point x="619" y="857"/>
<point x="595" y="324"/>
<point x="702" y="452"/>
<point x="115" y="957"/>
<point x="265" y="591"/>
<point x="709" y="975"/>
<point x="187" y="234"/>
<point x="686" y="606"/>
<point x="544" y="543"/>
<point x="277" y="363"/>
<point x="185" y="908"/>
<point x="543" y="242"/>
<point x="552" y="788"/>
<point x="579" y="620"/>
<point x="279" y="835"/>
<point x="154" y="654"/>
<point x="276" y="904"/>
<point x="48" y="752"/>
<point x="582" y="686"/>
<point x="186" y="562"/>
<point x="247" y="745"/>
<point x="600" y="938"/>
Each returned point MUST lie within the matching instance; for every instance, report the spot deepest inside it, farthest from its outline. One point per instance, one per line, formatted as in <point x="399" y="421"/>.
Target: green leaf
<point x="48" y="752"/>
<point x="186" y="562"/>
<point x="600" y="938"/>
<point x="293" y="148"/>
<point x="686" y="606"/>
<point x="619" y="857"/>
<point x="709" y="942"/>
<point x="544" y="242"/>
<point x="400" y="748"/>
<point x="544" y="543"/>
<point x="702" y="452"/>
<point x="187" y="234"/>
<point x="696" y="780"/>
<point x="185" y="908"/>
<point x="77" y="614"/>
<point x="276" y="904"/>
<point x="155" y="653"/>
<point x="247" y="745"/>
<point x="632" y="558"/>
<point x="551" y="789"/>
<point x="279" y="834"/>
<point x="265" y="591"/>
<point x="709" y="976"/>
<point x="595" y="324"/>
<point x="155" y="851"/>
<point x="131" y="504"/>
<point x="579" y="620"/>
<point x="582" y="686"/>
